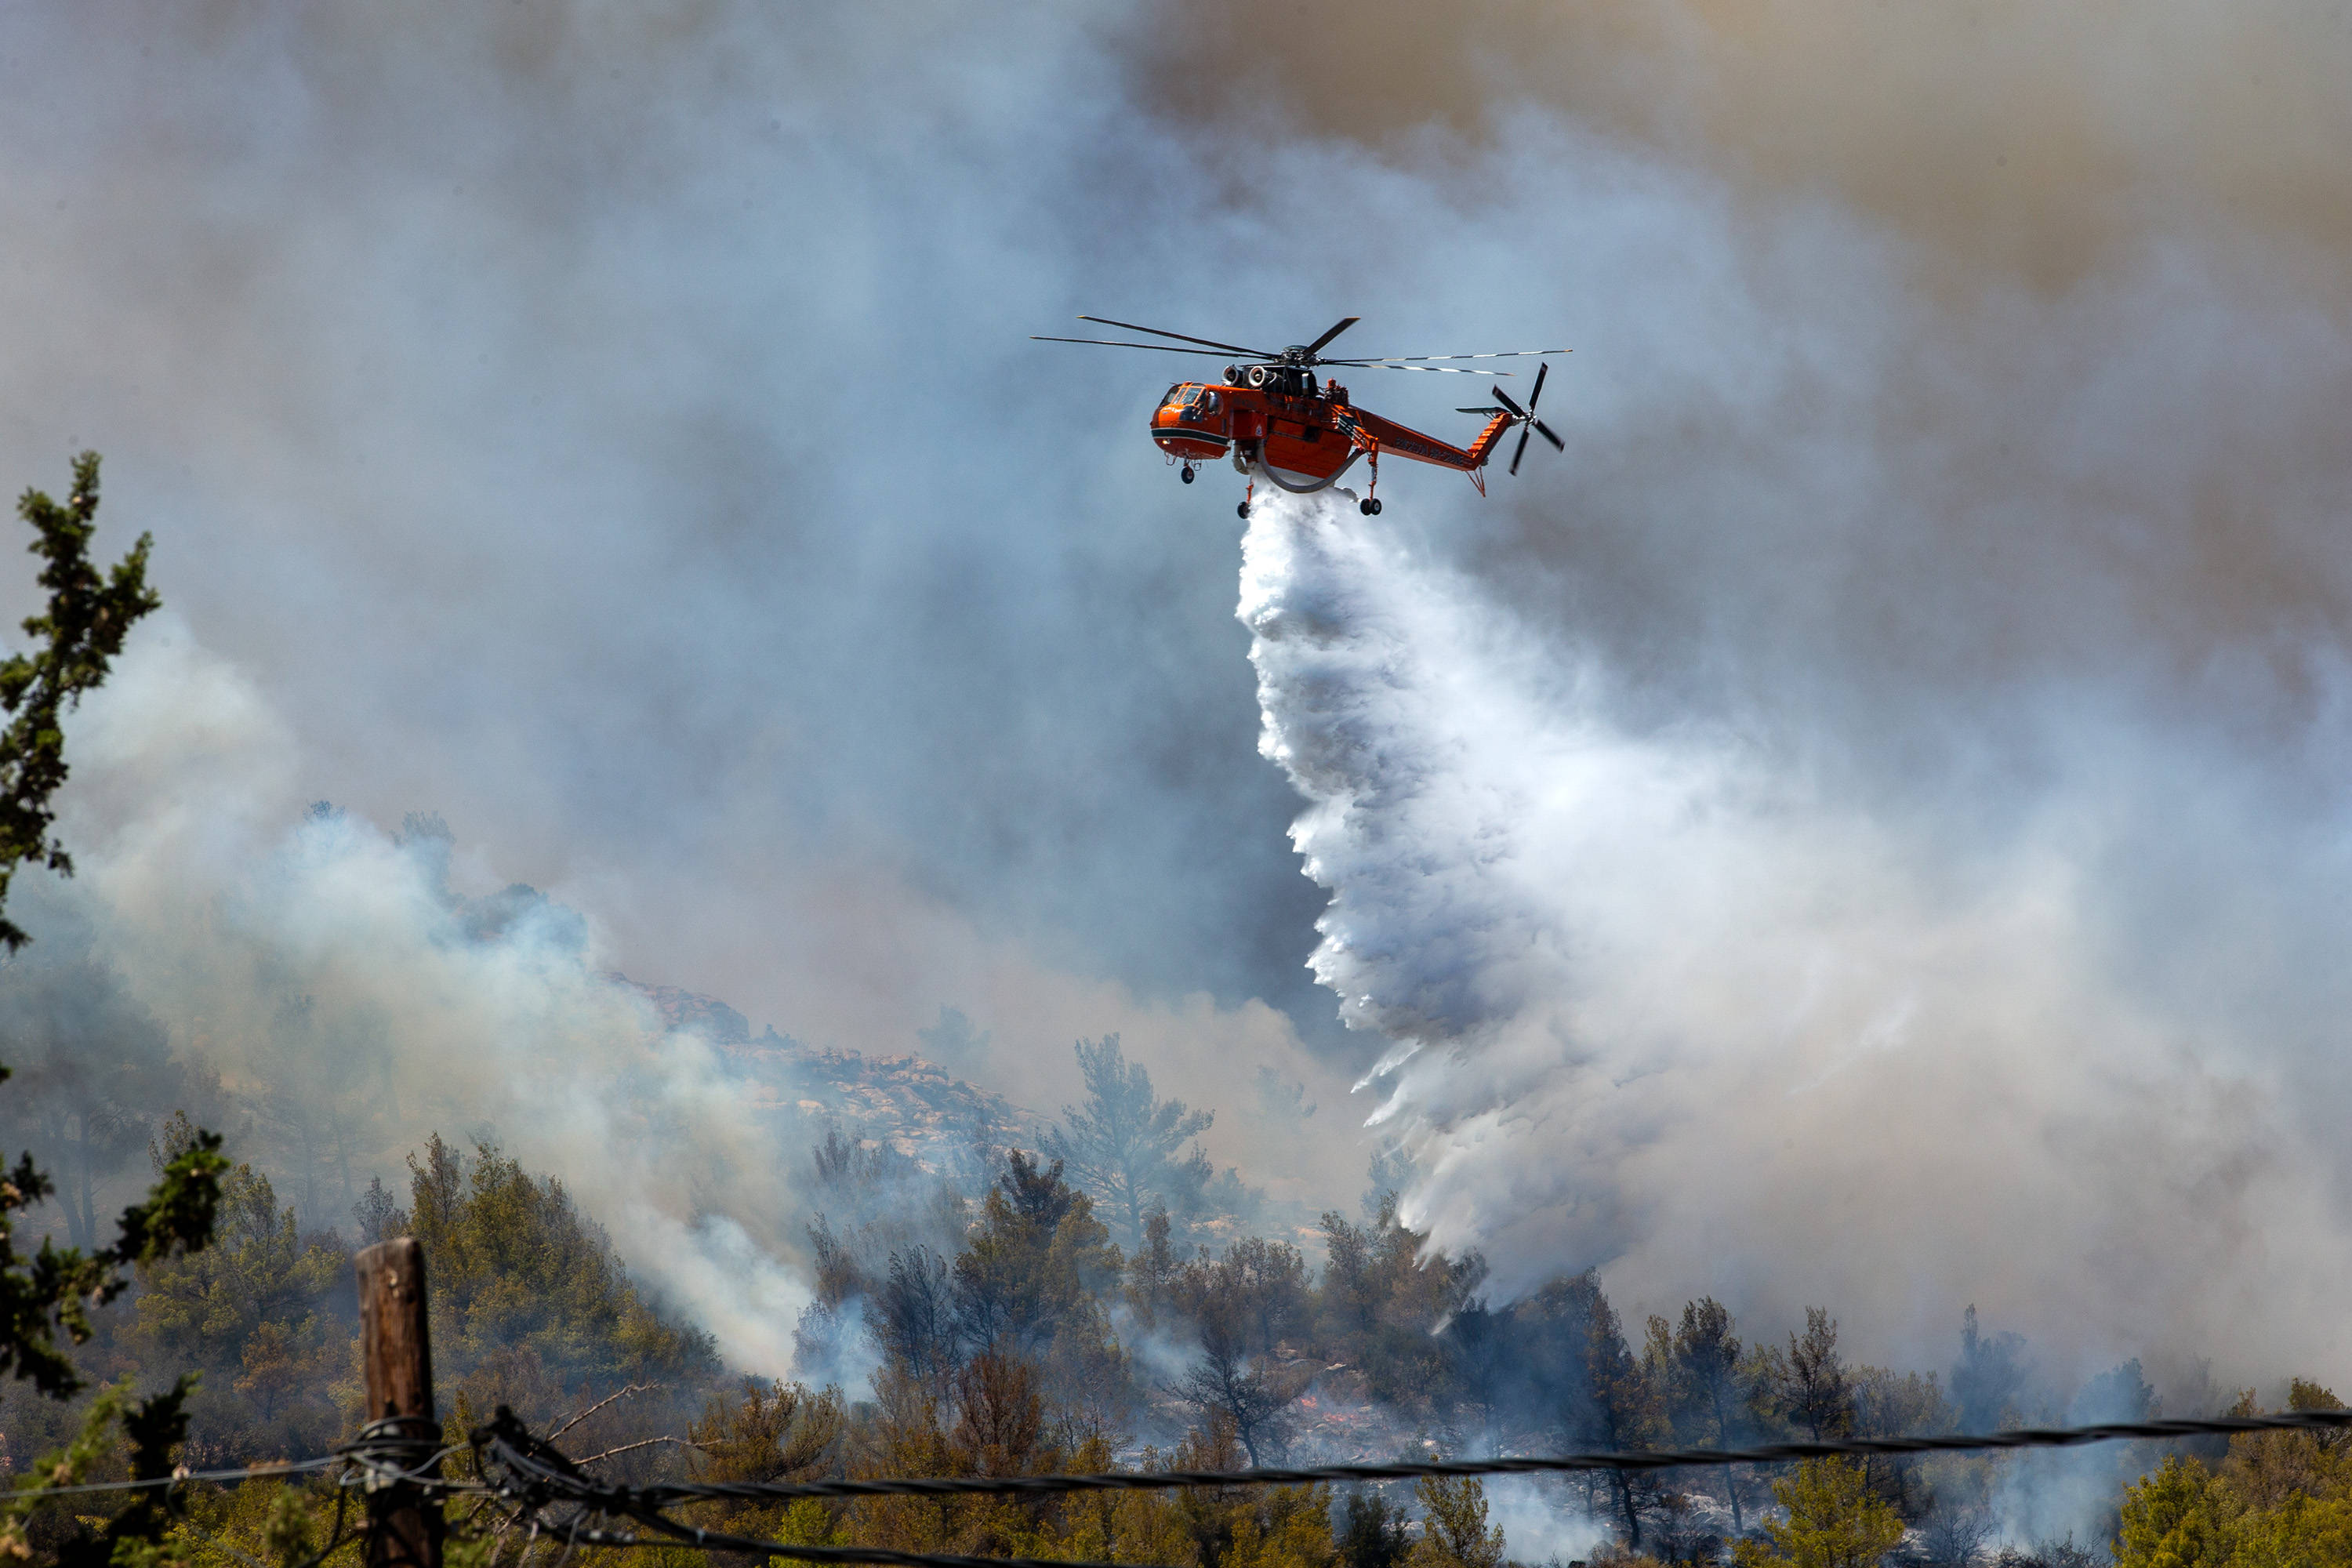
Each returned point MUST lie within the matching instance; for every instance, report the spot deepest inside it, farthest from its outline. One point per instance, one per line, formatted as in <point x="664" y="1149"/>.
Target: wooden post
<point x="404" y="1524"/>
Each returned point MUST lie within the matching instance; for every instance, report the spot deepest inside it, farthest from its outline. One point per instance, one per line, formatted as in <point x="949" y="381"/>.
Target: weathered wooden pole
<point x="402" y="1430"/>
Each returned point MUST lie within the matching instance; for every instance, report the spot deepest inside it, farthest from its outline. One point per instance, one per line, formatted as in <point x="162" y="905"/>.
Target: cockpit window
<point x="1175" y="396"/>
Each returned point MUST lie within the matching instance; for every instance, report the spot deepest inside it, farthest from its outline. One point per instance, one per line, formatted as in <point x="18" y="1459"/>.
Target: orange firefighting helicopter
<point x="1272" y="419"/>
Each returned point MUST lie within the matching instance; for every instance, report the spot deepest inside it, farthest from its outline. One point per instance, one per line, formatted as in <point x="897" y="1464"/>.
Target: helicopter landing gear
<point x="1243" y="510"/>
<point x="1369" y="507"/>
<point x="1186" y="475"/>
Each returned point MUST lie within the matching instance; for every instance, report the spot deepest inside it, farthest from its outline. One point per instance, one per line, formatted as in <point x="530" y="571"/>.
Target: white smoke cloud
<point x="218" y="917"/>
<point x="1949" y="535"/>
<point x="1665" y="1000"/>
<point x="333" y="975"/>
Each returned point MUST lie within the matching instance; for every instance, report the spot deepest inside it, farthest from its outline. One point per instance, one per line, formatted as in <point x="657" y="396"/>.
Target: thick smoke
<point x="617" y="431"/>
<point x="1663" y="1002"/>
<point x="327" y="994"/>
<point x="325" y="970"/>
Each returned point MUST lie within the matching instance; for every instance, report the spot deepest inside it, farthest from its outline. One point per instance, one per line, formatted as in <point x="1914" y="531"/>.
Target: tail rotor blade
<point x="1506" y="400"/>
<point x="1544" y="430"/>
<point x="1522" y="451"/>
<point x="1537" y="396"/>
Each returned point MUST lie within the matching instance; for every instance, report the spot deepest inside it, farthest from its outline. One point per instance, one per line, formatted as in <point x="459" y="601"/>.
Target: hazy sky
<point x="615" y="427"/>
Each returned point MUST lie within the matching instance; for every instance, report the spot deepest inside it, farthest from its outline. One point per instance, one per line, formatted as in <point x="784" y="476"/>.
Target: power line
<point x="181" y="1478"/>
<point x="379" y="1457"/>
<point x="498" y="1441"/>
<point x="525" y="1470"/>
<point x="662" y="1495"/>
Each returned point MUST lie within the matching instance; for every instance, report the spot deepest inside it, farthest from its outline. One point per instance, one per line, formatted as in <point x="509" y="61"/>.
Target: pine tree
<point x="1833" y="1521"/>
<point x="1122" y="1145"/>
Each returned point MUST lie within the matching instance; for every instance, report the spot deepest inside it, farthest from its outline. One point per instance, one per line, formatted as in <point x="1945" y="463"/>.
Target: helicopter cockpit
<point x="1199" y="404"/>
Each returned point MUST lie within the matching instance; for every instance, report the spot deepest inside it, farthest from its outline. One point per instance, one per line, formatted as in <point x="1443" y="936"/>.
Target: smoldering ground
<point x="615" y="432"/>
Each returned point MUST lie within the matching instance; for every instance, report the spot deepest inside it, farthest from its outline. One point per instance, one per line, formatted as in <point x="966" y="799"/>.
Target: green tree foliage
<point x="1989" y="1375"/>
<point x="1152" y="1272"/>
<point x="1622" y="1407"/>
<point x="1372" y="1532"/>
<point x="1888" y="1403"/>
<point x="1122" y="1145"/>
<point x="47" y="1294"/>
<point x="1833" y="1521"/>
<point x="1244" y="1306"/>
<point x="265" y="1313"/>
<point x="76" y="641"/>
<point x="1812" y="1387"/>
<point x="1038" y="1264"/>
<point x="912" y="1318"/>
<point x="1384" y="1297"/>
<point x="1705" y="1393"/>
<point x="94" y="1071"/>
<point x="2173" y="1519"/>
<point x="990" y="1419"/>
<point x="767" y="1433"/>
<point x="874" y="1206"/>
<point x="128" y="1535"/>
<point x="2279" y="1500"/>
<point x="529" y="1303"/>
<point x="1284" y="1527"/>
<point x="1454" y="1532"/>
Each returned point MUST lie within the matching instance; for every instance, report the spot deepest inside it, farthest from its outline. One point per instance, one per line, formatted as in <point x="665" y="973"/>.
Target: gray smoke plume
<point x="244" y="950"/>
<point x="617" y="431"/>
<point x="324" y="969"/>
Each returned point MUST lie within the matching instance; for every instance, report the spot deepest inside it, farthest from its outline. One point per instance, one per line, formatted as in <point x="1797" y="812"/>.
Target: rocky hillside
<point x="913" y="1105"/>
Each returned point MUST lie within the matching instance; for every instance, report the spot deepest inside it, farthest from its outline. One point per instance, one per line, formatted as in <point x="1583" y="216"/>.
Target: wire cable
<point x="534" y="1475"/>
<point x="498" y="1441"/>
<point x="250" y="1473"/>
<point x="385" y="1453"/>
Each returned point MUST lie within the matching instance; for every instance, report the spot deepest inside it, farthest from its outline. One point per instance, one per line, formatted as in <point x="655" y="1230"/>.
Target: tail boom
<point x="1382" y="436"/>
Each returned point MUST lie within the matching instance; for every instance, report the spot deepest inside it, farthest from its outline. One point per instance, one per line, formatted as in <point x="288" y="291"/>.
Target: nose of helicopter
<point x="1190" y="427"/>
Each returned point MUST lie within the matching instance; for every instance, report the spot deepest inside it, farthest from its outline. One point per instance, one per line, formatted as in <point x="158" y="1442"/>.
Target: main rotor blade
<point x="1536" y="396"/>
<point x="1109" y="343"/>
<point x="1504" y="399"/>
<point x="1522" y="450"/>
<point x="1181" y="337"/>
<point x="1436" y="369"/>
<point x="1544" y="430"/>
<point x="1424" y="359"/>
<point x="1343" y="326"/>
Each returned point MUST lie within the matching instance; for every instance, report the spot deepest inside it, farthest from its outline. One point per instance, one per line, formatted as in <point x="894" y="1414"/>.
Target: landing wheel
<point x="1369" y="506"/>
<point x="1186" y="475"/>
<point x="1242" y="510"/>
